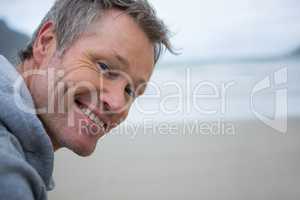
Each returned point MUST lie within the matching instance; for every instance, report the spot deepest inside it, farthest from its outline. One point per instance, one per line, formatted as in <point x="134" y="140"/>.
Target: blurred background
<point x="243" y="149"/>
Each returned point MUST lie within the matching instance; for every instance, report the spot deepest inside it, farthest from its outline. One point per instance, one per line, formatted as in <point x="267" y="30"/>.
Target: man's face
<point x="89" y="90"/>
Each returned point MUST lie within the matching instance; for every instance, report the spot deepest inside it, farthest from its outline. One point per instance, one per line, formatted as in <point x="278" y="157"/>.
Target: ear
<point x="45" y="43"/>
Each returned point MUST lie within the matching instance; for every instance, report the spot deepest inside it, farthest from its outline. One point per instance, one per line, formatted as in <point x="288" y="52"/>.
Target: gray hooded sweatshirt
<point x="26" y="152"/>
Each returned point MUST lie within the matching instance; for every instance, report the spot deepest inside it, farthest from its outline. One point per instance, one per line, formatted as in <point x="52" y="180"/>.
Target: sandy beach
<point x="256" y="162"/>
<point x="188" y="155"/>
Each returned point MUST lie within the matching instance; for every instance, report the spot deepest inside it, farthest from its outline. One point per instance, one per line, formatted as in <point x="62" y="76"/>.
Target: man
<point x="85" y="65"/>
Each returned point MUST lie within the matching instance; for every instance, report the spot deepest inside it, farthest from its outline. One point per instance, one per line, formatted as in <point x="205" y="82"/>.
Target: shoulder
<point x="9" y="143"/>
<point x="18" y="179"/>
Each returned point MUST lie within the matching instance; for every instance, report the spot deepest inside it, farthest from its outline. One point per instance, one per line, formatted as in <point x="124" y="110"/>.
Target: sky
<point x="201" y="29"/>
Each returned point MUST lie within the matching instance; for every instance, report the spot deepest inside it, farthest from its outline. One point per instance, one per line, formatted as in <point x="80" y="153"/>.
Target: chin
<point x="84" y="152"/>
<point x="79" y="138"/>
<point x="81" y="144"/>
<point x="82" y="148"/>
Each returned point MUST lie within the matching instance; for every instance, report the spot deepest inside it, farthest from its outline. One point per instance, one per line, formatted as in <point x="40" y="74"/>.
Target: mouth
<point x="92" y="116"/>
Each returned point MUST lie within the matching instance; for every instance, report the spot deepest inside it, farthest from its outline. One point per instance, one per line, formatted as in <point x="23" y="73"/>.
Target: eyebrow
<point x="122" y="60"/>
<point x="142" y="82"/>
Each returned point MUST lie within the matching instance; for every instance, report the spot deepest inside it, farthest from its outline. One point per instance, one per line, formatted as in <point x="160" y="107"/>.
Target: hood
<point x="16" y="104"/>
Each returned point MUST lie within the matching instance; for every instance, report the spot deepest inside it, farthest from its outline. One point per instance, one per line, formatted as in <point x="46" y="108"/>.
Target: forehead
<point x="117" y="35"/>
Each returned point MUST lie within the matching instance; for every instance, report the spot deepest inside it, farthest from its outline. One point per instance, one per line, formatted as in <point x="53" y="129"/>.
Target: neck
<point x="24" y="68"/>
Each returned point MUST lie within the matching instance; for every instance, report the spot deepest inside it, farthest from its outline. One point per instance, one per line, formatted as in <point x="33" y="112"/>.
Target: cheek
<point x="124" y="114"/>
<point x="39" y="90"/>
<point x="83" y="79"/>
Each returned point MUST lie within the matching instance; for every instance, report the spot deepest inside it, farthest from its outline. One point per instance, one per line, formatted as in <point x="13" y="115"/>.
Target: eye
<point x="130" y="91"/>
<point x="105" y="69"/>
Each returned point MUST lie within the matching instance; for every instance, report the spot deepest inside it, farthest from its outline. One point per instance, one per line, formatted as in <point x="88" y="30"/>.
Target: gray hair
<point x="72" y="17"/>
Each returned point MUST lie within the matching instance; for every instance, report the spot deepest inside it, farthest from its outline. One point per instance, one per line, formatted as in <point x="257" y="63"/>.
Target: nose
<point x="113" y="97"/>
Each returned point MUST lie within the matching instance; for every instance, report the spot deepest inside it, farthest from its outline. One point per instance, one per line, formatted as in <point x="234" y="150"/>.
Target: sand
<point x="251" y="162"/>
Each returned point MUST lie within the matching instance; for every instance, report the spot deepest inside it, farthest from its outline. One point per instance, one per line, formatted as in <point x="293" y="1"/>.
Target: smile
<point x="92" y="116"/>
